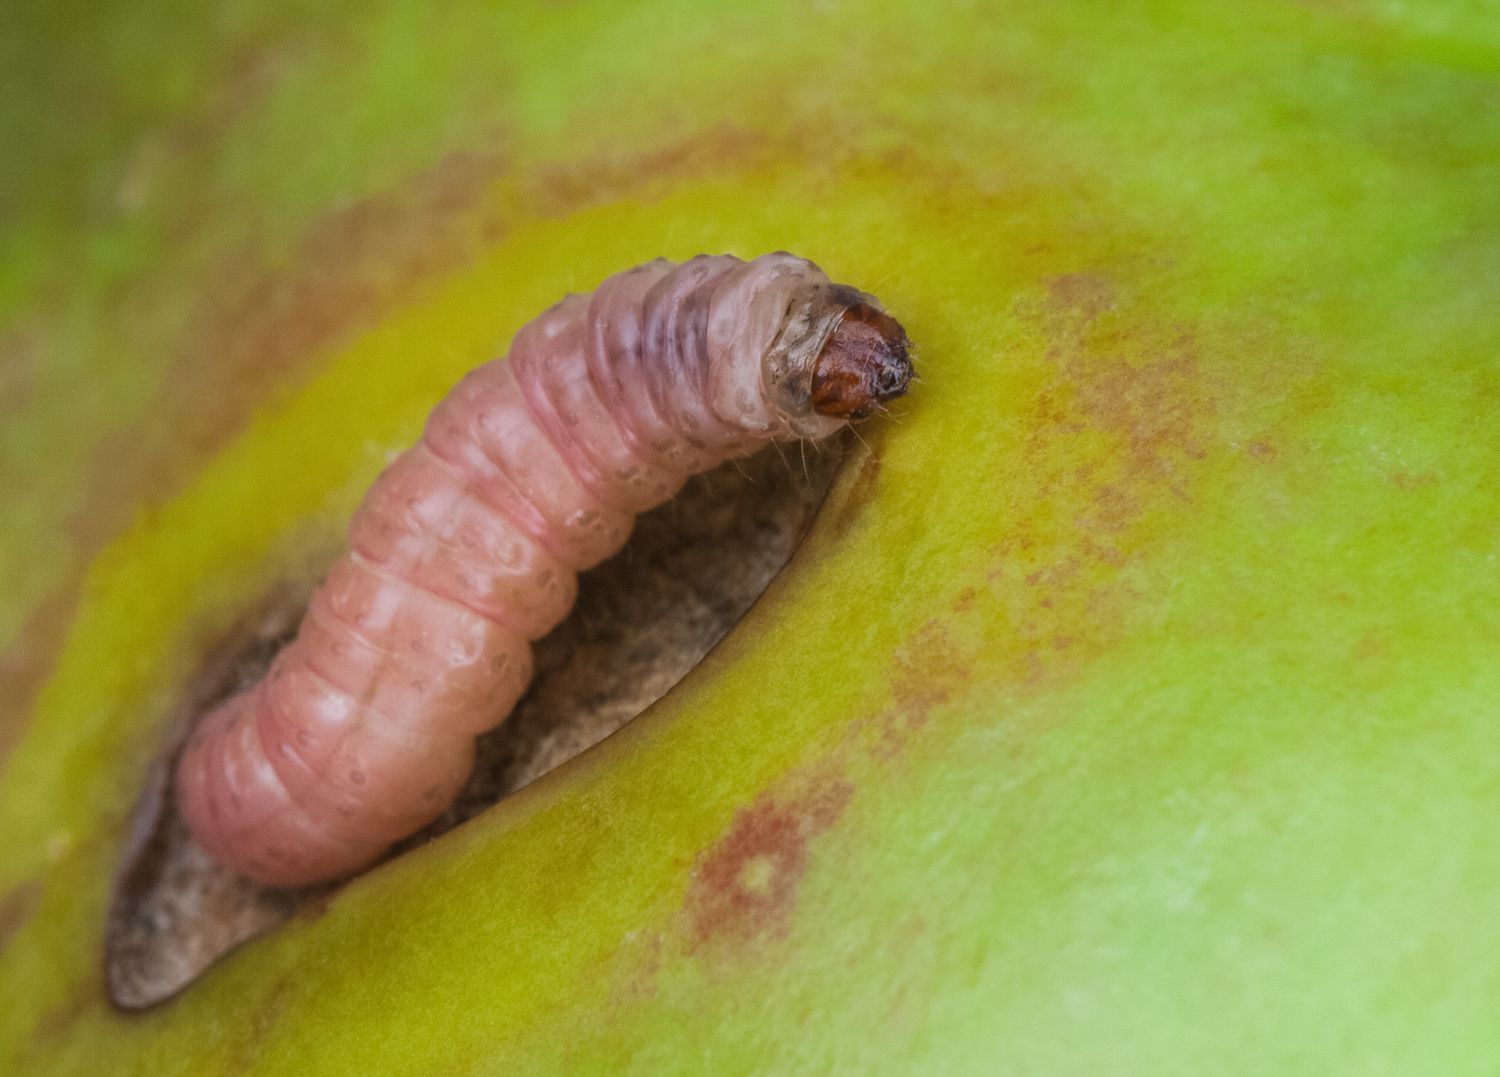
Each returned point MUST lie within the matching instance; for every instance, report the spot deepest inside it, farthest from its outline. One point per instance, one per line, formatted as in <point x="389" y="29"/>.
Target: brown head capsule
<point x="865" y="362"/>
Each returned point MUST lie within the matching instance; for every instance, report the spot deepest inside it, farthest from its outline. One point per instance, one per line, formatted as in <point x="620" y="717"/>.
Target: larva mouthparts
<point x="467" y="547"/>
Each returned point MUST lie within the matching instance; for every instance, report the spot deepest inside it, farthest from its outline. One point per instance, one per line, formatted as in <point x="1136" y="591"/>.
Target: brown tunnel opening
<point x="691" y="569"/>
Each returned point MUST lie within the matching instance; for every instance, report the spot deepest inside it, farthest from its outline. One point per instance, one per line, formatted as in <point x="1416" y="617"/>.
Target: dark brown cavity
<point x="643" y="619"/>
<point x="865" y="362"/>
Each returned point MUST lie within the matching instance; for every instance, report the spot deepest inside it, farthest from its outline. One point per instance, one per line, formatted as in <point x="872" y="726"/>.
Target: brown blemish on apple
<point x="930" y="666"/>
<point x="745" y="886"/>
<point x="57" y="1023"/>
<point x="247" y="1040"/>
<point x="1115" y="444"/>
<point x="18" y="359"/>
<point x="1411" y="480"/>
<point x="837" y="517"/>
<point x="642" y="957"/>
<point x="25" y="663"/>
<point x="1081" y="295"/>
<point x="17" y="907"/>
<point x="611" y="172"/>
<point x="1372" y="648"/>
<point x="1152" y="412"/>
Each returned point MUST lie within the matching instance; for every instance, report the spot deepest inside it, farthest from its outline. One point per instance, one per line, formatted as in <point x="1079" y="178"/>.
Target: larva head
<point x="865" y="362"/>
<point x="838" y="357"/>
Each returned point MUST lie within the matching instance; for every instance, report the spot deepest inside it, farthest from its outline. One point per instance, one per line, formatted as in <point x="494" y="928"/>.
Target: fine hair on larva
<point x="468" y="546"/>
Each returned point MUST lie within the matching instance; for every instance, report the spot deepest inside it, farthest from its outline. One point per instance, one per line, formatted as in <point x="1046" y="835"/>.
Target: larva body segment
<point x="468" y="546"/>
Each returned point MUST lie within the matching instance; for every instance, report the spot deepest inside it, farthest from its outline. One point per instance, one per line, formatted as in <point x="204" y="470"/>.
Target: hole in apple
<point x="643" y="619"/>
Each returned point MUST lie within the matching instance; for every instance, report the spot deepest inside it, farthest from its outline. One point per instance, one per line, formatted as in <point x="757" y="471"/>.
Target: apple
<point x="1129" y="705"/>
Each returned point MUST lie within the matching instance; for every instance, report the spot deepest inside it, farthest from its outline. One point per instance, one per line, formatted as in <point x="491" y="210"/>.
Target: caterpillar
<point x="467" y="547"/>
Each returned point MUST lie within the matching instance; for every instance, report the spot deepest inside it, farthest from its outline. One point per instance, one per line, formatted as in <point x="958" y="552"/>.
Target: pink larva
<point x="467" y="547"/>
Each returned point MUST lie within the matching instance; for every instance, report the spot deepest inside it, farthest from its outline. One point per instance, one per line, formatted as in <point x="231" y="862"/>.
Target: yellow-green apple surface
<point x="1133" y="705"/>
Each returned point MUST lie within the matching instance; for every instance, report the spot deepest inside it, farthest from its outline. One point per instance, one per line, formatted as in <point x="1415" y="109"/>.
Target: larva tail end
<point x="865" y="362"/>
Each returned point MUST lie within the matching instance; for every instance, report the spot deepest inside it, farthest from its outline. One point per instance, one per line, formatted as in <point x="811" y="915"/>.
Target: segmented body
<point x="467" y="547"/>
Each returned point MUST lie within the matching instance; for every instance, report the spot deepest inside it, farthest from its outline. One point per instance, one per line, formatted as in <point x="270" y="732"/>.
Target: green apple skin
<point x="1131" y="707"/>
